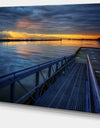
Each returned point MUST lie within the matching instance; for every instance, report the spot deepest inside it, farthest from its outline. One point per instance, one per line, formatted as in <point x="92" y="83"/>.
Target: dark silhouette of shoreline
<point x="84" y="39"/>
<point x="8" y="40"/>
<point x="98" y="39"/>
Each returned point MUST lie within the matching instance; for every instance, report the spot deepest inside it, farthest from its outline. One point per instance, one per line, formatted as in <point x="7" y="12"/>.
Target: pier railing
<point x="94" y="86"/>
<point x="54" y="69"/>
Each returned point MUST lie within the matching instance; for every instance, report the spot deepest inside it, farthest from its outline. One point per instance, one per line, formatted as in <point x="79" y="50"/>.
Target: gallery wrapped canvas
<point x="49" y="56"/>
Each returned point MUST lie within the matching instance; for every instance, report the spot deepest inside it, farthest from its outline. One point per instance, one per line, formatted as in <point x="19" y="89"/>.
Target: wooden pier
<point x="71" y="82"/>
<point x="69" y="92"/>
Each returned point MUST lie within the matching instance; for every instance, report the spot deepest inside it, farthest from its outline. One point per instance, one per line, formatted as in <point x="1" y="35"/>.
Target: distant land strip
<point x="29" y="40"/>
<point x="4" y="40"/>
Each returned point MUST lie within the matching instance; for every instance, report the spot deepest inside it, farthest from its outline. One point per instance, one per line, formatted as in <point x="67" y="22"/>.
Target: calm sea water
<point x="19" y="55"/>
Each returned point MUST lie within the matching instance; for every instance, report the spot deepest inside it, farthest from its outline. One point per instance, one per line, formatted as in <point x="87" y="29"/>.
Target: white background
<point x="44" y="2"/>
<point x="23" y="116"/>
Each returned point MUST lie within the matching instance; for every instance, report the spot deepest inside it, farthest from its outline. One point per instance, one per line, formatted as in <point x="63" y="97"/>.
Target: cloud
<point x="27" y="24"/>
<point x="58" y="19"/>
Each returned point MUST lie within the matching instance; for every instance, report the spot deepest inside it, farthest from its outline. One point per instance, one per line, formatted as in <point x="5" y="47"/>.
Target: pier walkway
<point x="70" y="82"/>
<point x="69" y="92"/>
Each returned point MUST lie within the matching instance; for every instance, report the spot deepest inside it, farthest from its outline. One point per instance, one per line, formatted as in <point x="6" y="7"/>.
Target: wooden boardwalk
<point x="69" y="92"/>
<point x="71" y="82"/>
<point x="74" y="91"/>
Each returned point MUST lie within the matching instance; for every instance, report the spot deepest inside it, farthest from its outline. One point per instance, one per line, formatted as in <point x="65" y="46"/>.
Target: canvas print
<point x="50" y="56"/>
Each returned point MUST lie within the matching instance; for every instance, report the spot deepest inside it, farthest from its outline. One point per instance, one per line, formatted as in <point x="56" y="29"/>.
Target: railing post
<point x="12" y="92"/>
<point x="62" y="63"/>
<point x="49" y="72"/>
<point x="68" y="63"/>
<point x="65" y="64"/>
<point x="65" y="60"/>
<point x="57" y="66"/>
<point x="37" y="83"/>
<point x="56" y="69"/>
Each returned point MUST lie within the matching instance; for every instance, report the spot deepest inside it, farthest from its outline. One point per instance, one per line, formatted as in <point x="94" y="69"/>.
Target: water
<point x="19" y="55"/>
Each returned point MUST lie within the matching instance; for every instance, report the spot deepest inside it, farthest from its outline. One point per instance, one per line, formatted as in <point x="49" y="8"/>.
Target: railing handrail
<point x="18" y="71"/>
<point x="94" y="81"/>
<point x="14" y="76"/>
<point x="32" y="90"/>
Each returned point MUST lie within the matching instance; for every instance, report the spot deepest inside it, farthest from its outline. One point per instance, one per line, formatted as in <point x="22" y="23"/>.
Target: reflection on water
<point x="18" y="55"/>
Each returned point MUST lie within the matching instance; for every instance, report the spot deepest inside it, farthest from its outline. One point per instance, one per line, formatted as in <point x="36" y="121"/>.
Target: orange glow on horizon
<point x="25" y="35"/>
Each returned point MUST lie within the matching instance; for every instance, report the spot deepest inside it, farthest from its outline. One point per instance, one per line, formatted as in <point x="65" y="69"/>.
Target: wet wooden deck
<point x="69" y="92"/>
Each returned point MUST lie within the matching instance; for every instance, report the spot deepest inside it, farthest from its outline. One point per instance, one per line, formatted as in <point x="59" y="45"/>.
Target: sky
<point x="59" y="21"/>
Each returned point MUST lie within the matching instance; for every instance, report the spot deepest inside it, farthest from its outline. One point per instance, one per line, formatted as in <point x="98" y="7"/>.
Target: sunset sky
<point x="65" y="21"/>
